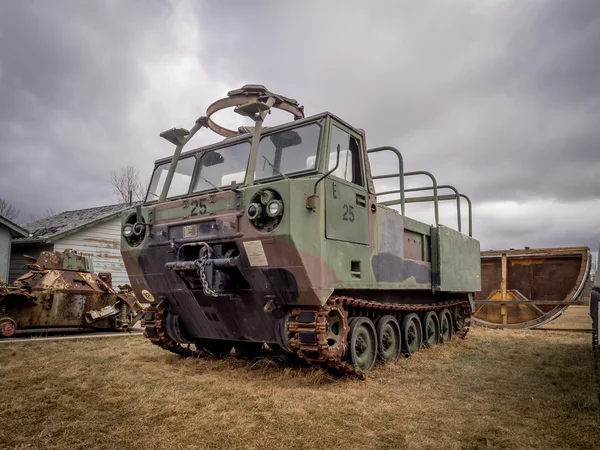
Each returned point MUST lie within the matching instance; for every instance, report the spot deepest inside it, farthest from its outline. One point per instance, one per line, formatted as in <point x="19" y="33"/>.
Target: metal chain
<point x="200" y="264"/>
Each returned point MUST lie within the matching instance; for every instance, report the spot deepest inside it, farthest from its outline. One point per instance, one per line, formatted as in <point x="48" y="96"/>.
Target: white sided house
<point x="8" y="231"/>
<point x="94" y="232"/>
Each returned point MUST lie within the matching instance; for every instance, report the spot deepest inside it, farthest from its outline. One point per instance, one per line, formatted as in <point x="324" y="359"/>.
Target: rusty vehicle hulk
<point x="275" y="235"/>
<point x="61" y="292"/>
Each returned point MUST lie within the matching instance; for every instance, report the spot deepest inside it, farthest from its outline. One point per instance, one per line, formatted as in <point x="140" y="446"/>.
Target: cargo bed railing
<point x="435" y="198"/>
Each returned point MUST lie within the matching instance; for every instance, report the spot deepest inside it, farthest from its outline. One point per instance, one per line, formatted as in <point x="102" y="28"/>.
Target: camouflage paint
<point x="308" y="256"/>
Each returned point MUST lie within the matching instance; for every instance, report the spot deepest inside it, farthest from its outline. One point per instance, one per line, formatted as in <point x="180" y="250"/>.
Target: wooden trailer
<point x="526" y="288"/>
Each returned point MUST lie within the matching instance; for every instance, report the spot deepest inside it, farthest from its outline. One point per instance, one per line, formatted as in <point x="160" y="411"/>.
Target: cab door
<point x="346" y="213"/>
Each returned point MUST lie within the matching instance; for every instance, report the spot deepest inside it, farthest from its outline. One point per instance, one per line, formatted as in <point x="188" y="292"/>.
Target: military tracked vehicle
<point x="275" y="235"/>
<point x="61" y="292"/>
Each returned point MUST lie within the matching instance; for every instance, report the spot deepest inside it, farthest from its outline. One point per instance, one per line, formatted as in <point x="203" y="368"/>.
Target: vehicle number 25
<point x="349" y="213"/>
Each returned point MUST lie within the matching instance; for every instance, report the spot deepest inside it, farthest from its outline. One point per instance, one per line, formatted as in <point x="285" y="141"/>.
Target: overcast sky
<point x="499" y="98"/>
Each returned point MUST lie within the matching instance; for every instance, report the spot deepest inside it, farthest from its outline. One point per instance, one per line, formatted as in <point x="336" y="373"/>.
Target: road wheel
<point x="459" y="320"/>
<point x="446" y="325"/>
<point x="362" y="344"/>
<point x="7" y="327"/>
<point x="431" y="329"/>
<point x="412" y="334"/>
<point x="388" y="338"/>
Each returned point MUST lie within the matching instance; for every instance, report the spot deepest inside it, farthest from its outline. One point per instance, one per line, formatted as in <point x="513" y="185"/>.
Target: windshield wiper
<point x="275" y="168"/>
<point x="213" y="185"/>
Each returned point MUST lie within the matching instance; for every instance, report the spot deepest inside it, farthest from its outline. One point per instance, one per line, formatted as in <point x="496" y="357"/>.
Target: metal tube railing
<point x="435" y="197"/>
<point x="470" y="214"/>
<point x="435" y="193"/>
<point x="447" y="197"/>
<point x="400" y="173"/>
<point x="443" y="186"/>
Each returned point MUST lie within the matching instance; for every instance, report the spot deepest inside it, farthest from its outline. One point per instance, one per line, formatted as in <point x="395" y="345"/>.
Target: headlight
<point x="265" y="210"/>
<point x="274" y="208"/>
<point x="266" y="197"/>
<point x="127" y="230"/>
<point x="254" y="210"/>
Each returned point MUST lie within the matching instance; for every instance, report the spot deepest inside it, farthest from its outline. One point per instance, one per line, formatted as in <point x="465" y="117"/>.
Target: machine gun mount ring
<point x="248" y="94"/>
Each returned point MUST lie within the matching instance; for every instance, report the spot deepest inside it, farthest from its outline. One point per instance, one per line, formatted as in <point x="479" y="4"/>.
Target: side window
<point x="349" y="166"/>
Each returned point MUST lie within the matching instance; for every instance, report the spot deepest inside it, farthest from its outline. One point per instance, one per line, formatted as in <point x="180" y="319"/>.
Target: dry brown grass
<point x="575" y="317"/>
<point x="499" y="389"/>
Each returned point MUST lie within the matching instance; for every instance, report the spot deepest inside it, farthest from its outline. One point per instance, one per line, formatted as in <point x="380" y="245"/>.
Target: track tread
<point x="333" y="360"/>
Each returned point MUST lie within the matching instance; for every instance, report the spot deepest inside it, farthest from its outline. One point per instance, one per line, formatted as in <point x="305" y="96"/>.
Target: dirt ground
<point x="496" y="389"/>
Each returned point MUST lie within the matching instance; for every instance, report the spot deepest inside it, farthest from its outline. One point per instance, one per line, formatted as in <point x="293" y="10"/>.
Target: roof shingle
<point x="69" y="221"/>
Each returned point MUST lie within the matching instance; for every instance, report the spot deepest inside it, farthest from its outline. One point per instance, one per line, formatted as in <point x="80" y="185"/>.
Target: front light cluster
<point x="274" y="208"/>
<point x="266" y="210"/>
<point x="133" y="232"/>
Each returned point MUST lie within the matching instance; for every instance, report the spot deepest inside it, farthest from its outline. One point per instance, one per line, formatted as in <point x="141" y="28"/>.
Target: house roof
<point x="15" y="230"/>
<point x="55" y="227"/>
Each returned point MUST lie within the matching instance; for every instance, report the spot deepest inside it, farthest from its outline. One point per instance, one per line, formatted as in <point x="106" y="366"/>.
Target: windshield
<point x="285" y="152"/>
<point x="181" y="179"/>
<point x="219" y="168"/>
<point x="288" y="152"/>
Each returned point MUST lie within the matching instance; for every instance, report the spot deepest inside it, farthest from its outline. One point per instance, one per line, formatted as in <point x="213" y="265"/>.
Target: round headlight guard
<point x="133" y="232"/>
<point x="274" y="208"/>
<point x="254" y="211"/>
<point x="265" y="210"/>
<point x="127" y="230"/>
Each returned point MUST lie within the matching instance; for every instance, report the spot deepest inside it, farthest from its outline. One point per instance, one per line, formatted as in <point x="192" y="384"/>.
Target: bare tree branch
<point x="34" y="218"/>
<point x="124" y="181"/>
<point x="8" y="210"/>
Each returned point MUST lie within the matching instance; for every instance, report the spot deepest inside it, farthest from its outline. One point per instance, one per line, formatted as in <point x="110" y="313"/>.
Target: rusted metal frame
<point x="584" y="273"/>
<point x="537" y="252"/>
<point x="503" y="281"/>
<point x="250" y="95"/>
<point x="435" y="197"/>
<point x="400" y="173"/>
<point x="524" y="302"/>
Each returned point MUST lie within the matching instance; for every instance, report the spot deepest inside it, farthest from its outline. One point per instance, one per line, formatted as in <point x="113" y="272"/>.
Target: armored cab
<point x="275" y="235"/>
<point x="61" y="291"/>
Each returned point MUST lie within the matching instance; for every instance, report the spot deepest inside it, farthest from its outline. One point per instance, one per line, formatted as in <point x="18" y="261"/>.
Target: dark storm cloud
<point x="495" y="95"/>
<point x="501" y="99"/>
<point x="70" y="74"/>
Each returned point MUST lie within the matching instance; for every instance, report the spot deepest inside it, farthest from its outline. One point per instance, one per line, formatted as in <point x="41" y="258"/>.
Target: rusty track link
<point x="308" y="328"/>
<point x="154" y="323"/>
